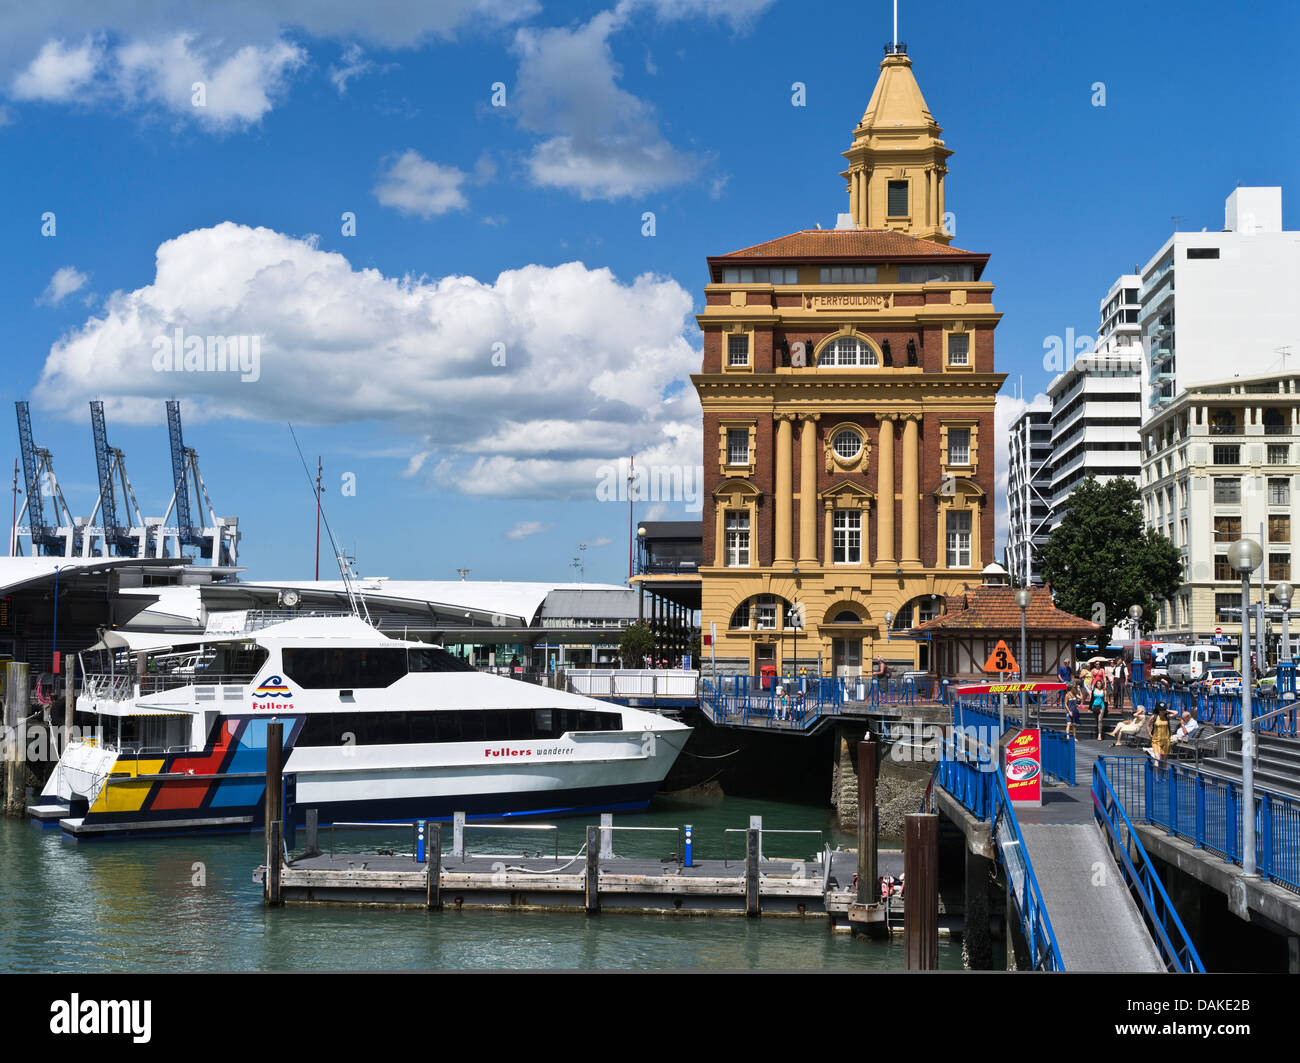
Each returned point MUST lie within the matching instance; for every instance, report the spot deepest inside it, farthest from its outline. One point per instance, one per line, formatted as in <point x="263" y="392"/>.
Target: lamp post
<point x="1245" y="556"/>
<point x="1023" y="597"/>
<point x="1283" y="594"/>
<point x="1135" y="617"/>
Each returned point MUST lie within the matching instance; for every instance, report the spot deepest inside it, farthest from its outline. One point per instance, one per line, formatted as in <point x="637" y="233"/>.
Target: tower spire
<point x="898" y="161"/>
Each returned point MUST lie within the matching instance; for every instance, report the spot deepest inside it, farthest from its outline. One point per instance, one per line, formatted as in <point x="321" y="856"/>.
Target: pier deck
<point x="708" y="887"/>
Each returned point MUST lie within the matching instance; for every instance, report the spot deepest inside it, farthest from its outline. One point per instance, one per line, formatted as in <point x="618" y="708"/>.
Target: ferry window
<point x="471" y="727"/>
<point x="424" y="727"/>
<point x="326" y="669"/>
<point x="496" y="725"/>
<point x="435" y="659"/>
<point x="544" y="724"/>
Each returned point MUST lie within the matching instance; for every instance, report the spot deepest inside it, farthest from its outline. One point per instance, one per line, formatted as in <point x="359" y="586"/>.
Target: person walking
<point x="1158" y="729"/>
<point x="1073" y="694"/>
<point x="1098" y="705"/>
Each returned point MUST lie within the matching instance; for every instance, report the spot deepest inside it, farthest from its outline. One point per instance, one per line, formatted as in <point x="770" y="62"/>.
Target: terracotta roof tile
<point x="846" y="243"/>
<point x="993" y="607"/>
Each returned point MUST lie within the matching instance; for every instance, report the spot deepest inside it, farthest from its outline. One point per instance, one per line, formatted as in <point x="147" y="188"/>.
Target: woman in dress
<point x="1158" y="729"/>
<point x="1073" y="695"/>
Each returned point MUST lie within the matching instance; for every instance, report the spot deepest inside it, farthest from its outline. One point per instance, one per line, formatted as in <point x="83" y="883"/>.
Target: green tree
<point x="1100" y="554"/>
<point x="635" y="644"/>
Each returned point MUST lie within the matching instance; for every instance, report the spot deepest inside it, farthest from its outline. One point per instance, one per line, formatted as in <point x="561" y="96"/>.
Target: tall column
<point x="885" y="489"/>
<point x="934" y="198"/>
<point x="783" y="548"/>
<point x="911" y="489"/>
<point x="808" y="491"/>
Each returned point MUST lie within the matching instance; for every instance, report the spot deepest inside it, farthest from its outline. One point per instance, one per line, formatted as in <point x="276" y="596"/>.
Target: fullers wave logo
<point x="1023" y="770"/>
<point x="275" y="693"/>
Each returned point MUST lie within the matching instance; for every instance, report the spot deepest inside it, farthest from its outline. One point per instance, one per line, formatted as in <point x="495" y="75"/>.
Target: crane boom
<point x="40" y="531"/>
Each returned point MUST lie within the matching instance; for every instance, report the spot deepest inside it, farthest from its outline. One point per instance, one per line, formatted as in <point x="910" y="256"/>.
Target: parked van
<point x="1188" y="664"/>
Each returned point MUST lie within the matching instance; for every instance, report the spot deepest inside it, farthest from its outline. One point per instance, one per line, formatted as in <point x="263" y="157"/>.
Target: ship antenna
<point x="355" y="599"/>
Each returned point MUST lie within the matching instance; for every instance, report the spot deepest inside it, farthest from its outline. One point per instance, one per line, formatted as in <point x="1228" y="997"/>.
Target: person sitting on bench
<point x="1131" y="726"/>
<point x="1186" y="730"/>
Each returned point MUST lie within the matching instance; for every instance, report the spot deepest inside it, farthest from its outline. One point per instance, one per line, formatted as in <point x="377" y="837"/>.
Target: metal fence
<point x="973" y="780"/>
<point x="1058" y="749"/>
<point x="1221" y="710"/>
<point x="1144" y="883"/>
<point x="1207" y="811"/>
<point x="771" y="701"/>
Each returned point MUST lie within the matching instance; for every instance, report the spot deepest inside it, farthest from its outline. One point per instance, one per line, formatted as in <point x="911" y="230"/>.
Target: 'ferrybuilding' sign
<point x="848" y="302"/>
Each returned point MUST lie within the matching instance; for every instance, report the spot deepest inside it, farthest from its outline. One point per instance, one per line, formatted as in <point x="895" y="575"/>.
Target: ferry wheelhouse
<point x="173" y="735"/>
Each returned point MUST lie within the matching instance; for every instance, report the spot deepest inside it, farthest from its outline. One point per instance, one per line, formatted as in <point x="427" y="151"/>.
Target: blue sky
<point x="499" y="330"/>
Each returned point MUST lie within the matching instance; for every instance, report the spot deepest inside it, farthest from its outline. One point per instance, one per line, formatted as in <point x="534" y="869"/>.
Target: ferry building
<point x="848" y="394"/>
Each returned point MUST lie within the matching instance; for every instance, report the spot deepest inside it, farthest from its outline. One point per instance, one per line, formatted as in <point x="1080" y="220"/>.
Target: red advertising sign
<point x="1023" y="769"/>
<point x="1007" y="688"/>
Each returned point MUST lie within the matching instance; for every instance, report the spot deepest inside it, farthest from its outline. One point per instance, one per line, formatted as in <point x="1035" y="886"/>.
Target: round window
<point x="847" y="444"/>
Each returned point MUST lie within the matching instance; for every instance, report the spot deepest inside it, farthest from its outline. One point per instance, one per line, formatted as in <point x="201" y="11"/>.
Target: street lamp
<point x="1023" y="597"/>
<point x="1245" y="555"/>
<point x="1134" y="616"/>
<point x="1283" y="592"/>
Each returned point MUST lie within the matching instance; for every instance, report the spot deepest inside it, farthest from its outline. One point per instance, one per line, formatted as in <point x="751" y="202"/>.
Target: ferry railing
<point x="1207" y="811"/>
<point x="821" y="839"/>
<point x="1144" y="883"/>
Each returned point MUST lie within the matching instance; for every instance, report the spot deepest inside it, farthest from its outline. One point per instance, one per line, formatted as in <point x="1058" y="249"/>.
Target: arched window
<point x="847" y="351"/>
<point x="740" y="618"/>
<point x="847" y="616"/>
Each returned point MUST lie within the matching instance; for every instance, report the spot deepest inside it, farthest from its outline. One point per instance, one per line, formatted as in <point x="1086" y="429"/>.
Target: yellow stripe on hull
<point x="122" y="793"/>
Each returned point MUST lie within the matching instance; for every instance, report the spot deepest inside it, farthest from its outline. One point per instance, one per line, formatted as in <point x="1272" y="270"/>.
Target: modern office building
<point x="848" y="393"/>
<point x="1029" y="476"/>
<point x="1214" y="300"/>
<point x="1220" y="463"/>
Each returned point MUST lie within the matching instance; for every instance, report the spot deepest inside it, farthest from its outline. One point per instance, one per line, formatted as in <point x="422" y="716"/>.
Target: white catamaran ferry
<point x="375" y="729"/>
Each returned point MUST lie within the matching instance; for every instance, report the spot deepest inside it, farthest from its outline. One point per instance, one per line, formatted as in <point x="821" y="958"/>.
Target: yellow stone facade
<point x="881" y="333"/>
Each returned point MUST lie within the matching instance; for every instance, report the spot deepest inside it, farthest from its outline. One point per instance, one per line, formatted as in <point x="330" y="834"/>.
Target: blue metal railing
<point x="770" y="701"/>
<point x="971" y="776"/>
<point x="1144" y="883"/>
<point x="1207" y="811"/>
<point x="1058" y="748"/>
<point x="1222" y="710"/>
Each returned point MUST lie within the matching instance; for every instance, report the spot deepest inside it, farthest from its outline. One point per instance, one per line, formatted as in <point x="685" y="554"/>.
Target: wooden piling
<point x="274" y="864"/>
<point x="274" y="773"/>
<point x="433" y="866"/>
<point x="17" y="691"/>
<point x="868" y="829"/>
<point x="752" y="841"/>
<point x="921" y="891"/>
<point x="592" y="884"/>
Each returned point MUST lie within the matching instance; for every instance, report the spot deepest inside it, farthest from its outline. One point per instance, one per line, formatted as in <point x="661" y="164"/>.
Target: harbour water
<point x="189" y="904"/>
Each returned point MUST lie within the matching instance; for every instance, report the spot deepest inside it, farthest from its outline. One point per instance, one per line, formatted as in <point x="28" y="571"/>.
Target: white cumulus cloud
<point x="64" y="282"/>
<point x="601" y="142"/>
<point x="528" y="385"/>
<point x="59" y="73"/>
<point x="414" y="185"/>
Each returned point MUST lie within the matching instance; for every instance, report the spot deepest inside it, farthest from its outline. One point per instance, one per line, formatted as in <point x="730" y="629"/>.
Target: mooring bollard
<point x="433" y="869"/>
<point x="313" y="832"/>
<point x="606" y="835"/>
<point x="688" y="844"/>
<point x="921" y="891"/>
<point x="592" y="884"/>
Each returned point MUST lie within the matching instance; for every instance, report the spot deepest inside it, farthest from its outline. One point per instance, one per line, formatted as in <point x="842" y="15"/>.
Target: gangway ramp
<point x="1097" y="924"/>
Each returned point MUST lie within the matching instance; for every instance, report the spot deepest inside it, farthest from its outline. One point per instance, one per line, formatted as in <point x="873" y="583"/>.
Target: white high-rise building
<point x="1097" y="402"/>
<point x="1027" y="486"/>
<point x="1216" y="303"/>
